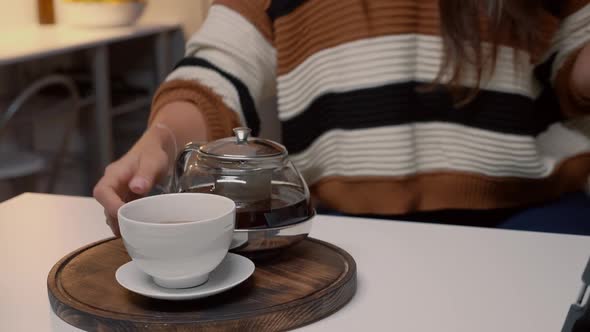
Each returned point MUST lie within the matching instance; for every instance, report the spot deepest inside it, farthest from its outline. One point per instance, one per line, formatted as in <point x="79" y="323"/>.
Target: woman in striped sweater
<point x="419" y="109"/>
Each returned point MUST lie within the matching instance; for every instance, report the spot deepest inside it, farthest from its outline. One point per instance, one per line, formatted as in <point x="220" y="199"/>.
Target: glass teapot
<point x="256" y="173"/>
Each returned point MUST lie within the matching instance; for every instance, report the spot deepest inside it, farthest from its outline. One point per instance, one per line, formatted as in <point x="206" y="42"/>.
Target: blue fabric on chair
<point x="570" y="215"/>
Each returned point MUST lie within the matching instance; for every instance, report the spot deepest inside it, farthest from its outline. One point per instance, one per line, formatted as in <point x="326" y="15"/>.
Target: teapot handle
<point x="180" y="165"/>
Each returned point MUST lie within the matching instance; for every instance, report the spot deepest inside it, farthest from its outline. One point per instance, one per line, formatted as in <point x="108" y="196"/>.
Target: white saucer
<point x="232" y="271"/>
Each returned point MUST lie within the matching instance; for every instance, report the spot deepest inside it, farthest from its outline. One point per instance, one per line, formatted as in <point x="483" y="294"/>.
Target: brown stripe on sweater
<point x="254" y="11"/>
<point x="220" y="120"/>
<point x="545" y="28"/>
<point x="320" y="24"/>
<point x="447" y="190"/>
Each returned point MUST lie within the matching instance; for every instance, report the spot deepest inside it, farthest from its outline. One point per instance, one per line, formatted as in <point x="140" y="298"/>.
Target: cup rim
<point x="155" y="224"/>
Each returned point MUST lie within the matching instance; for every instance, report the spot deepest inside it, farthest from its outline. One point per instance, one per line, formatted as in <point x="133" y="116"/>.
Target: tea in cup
<point x="178" y="239"/>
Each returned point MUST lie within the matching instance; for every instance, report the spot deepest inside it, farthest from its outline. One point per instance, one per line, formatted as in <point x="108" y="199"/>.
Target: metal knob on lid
<point x="242" y="134"/>
<point x="243" y="147"/>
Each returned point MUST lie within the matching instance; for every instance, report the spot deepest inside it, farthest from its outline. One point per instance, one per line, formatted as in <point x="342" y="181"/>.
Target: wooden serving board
<point x="308" y="282"/>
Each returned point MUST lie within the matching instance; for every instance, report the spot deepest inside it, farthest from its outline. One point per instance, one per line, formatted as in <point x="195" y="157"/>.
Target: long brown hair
<point x="466" y="24"/>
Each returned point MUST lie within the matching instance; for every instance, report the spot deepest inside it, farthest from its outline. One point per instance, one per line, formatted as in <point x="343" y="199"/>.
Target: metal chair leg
<point x="60" y="156"/>
<point x="27" y="95"/>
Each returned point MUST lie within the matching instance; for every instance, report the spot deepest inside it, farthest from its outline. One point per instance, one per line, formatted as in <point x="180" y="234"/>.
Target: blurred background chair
<point x="20" y="164"/>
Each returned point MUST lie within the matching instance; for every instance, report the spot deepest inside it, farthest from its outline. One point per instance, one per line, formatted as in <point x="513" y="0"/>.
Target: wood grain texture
<point x="309" y="281"/>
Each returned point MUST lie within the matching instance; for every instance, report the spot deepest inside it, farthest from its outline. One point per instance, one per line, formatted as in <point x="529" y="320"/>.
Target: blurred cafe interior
<point x="76" y="80"/>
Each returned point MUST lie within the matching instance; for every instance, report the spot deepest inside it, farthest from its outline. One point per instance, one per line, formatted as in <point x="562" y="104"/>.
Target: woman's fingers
<point x="151" y="167"/>
<point x="113" y="223"/>
<point x="111" y="190"/>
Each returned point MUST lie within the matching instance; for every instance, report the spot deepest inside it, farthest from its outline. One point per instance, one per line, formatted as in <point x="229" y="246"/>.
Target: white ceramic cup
<point x="178" y="239"/>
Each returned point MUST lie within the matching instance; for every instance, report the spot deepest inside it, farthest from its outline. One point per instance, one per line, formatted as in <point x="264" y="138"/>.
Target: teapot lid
<point x="243" y="147"/>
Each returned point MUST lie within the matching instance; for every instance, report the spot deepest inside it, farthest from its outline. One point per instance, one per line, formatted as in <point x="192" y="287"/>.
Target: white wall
<point x="17" y="12"/>
<point x="189" y="12"/>
<point x="13" y="14"/>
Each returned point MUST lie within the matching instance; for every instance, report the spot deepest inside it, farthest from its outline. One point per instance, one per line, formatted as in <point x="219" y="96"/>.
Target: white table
<point x="42" y="41"/>
<point x="411" y="277"/>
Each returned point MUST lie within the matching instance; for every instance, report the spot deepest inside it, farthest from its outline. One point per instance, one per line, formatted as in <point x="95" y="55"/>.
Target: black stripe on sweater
<point x="400" y="103"/>
<point x="246" y="100"/>
<point x="280" y="8"/>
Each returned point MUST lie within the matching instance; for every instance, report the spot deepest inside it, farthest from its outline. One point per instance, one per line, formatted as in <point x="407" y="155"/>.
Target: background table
<point x="411" y="276"/>
<point x="43" y="41"/>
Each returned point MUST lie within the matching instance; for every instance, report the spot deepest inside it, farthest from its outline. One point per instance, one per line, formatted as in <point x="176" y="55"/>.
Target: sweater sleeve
<point x="229" y="68"/>
<point x="572" y="36"/>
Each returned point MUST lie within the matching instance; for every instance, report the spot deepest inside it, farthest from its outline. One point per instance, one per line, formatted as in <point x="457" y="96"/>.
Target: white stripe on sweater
<point x="427" y="147"/>
<point x="386" y="60"/>
<point x="573" y="33"/>
<point x="233" y="44"/>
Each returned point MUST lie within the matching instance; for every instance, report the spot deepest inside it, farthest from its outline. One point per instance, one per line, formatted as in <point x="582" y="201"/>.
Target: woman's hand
<point x="135" y="173"/>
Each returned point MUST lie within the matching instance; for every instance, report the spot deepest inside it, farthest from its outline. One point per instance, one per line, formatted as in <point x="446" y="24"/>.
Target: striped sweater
<point x="345" y="74"/>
